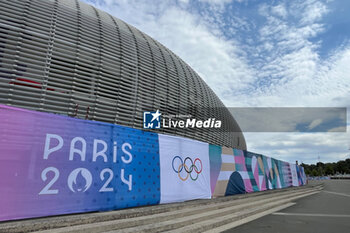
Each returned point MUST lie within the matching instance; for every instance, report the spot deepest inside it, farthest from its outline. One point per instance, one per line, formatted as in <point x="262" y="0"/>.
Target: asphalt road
<point x="324" y="212"/>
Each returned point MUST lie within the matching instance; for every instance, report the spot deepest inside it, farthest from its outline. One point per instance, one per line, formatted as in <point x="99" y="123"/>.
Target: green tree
<point x="329" y="169"/>
<point x="318" y="169"/>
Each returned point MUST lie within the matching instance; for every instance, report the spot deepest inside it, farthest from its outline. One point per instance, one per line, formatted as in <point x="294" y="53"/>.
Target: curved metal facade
<point x="67" y="57"/>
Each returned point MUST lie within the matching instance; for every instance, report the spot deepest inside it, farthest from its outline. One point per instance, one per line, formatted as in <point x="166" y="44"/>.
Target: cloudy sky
<point x="256" y="53"/>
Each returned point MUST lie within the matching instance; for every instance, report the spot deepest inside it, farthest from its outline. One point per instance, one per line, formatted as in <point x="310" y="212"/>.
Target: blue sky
<point x="256" y="53"/>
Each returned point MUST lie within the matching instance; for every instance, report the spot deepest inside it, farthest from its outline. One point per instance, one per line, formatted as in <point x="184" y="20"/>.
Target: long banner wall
<point x="52" y="164"/>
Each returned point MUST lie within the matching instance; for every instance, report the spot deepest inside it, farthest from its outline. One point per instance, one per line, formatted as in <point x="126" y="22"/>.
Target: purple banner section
<point x="51" y="164"/>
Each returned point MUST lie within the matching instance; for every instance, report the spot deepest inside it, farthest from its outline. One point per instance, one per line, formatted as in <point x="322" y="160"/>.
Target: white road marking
<point x="313" y="215"/>
<point x="340" y="194"/>
<point x="248" y="219"/>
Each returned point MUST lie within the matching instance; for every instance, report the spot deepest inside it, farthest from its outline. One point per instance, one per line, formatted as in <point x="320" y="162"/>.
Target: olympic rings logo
<point x="189" y="167"/>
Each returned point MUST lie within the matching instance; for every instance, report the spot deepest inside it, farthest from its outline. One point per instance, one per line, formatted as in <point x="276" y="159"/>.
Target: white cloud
<point x="315" y="123"/>
<point x="289" y="119"/>
<point x="300" y="146"/>
<point x="216" y="1"/>
<point x="290" y="70"/>
<point x="184" y="1"/>
<point x="280" y="10"/>
<point x="337" y="129"/>
<point x="314" y="11"/>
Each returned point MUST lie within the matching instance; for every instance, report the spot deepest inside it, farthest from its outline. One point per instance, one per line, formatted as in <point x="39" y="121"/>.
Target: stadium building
<point x="67" y="57"/>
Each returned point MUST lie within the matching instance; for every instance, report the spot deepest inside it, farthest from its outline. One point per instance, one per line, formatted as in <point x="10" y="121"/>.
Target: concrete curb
<point x="97" y="217"/>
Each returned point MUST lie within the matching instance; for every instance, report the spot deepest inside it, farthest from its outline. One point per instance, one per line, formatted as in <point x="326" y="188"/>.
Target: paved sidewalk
<point x="327" y="211"/>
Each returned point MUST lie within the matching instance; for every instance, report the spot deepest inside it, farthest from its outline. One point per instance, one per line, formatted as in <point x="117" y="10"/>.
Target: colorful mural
<point x="245" y="172"/>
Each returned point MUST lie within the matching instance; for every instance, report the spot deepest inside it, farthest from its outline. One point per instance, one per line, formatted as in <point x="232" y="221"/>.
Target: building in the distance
<point x="69" y="58"/>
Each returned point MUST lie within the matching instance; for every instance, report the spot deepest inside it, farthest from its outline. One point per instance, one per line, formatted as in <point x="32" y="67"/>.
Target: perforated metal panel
<point x="69" y="58"/>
